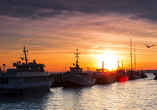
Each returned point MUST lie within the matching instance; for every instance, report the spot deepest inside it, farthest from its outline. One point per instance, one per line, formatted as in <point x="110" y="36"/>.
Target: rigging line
<point x="85" y="64"/>
<point x="69" y="62"/>
<point x="8" y="64"/>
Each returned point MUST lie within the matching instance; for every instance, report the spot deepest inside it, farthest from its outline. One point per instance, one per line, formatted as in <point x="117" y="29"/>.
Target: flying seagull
<point x="148" y="46"/>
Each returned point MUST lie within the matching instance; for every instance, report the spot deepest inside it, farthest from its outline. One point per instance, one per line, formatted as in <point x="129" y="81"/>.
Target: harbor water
<point x="137" y="94"/>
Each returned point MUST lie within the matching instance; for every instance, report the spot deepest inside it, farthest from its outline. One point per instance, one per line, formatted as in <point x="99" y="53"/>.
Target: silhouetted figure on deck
<point x="148" y="46"/>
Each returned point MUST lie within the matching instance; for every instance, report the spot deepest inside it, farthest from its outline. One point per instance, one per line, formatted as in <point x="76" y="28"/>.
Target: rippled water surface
<point x="138" y="94"/>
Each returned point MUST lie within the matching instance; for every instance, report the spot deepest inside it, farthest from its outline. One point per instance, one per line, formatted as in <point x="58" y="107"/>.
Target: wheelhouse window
<point x="30" y="68"/>
<point x="41" y="69"/>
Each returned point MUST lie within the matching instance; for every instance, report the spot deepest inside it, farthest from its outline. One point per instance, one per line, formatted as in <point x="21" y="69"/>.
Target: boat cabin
<point x="102" y="70"/>
<point x="30" y="67"/>
<point x="76" y="69"/>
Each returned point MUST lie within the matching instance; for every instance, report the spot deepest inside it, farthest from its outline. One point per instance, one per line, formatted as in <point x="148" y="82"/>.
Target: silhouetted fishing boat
<point x="76" y="76"/>
<point x="131" y="73"/>
<point x="143" y="75"/>
<point x="26" y="78"/>
<point x="104" y="76"/>
<point x="121" y="75"/>
<point x="155" y="75"/>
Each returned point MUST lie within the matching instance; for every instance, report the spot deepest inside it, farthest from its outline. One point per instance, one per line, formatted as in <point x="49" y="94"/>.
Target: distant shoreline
<point x="149" y="71"/>
<point x="145" y="71"/>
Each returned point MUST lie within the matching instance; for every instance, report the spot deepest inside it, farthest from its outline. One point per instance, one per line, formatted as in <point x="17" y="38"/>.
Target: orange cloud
<point x="53" y="40"/>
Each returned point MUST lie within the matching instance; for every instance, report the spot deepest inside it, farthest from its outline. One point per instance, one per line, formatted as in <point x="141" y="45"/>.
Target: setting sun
<point x="110" y="61"/>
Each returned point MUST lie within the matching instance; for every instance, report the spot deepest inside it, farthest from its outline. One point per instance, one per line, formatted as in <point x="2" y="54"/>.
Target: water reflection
<point x="137" y="94"/>
<point x="32" y="101"/>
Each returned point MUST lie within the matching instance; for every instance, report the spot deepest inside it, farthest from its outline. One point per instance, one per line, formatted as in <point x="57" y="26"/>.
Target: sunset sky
<point x="52" y="30"/>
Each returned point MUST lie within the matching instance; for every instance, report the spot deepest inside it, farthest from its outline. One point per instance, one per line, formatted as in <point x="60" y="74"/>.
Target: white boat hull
<point x="77" y="80"/>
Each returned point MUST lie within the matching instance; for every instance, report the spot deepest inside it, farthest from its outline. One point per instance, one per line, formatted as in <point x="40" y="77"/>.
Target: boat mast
<point x="102" y="64"/>
<point x="122" y="64"/>
<point x="25" y="54"/>
<point x="77" y="57"/>
<point x="135" y="57"/>
<point x="131" y="53"/>
<point x="118" y="63"/>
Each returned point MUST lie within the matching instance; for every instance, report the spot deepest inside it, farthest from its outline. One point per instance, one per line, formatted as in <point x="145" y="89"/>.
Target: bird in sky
<point x="148" y="46"/>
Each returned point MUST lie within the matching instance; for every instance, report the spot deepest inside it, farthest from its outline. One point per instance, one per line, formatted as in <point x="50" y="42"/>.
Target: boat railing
<point x="3" y="71"/>
<point x="87" y="71"/>
<point x="45" y="70"/>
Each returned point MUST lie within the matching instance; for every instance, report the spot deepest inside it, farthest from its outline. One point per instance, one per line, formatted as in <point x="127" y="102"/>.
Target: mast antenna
<point x="102" y="64"/>
<point x="25" y="54"/>
<point x="118" y="63"/>
<point x="131" y="53"/>
<point x="135" y="57"/>
<point x="77" y="57"/>
<point x="122" y="64"/>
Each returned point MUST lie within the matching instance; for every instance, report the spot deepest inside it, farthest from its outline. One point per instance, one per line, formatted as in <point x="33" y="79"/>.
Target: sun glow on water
<point x="110" y="61"/>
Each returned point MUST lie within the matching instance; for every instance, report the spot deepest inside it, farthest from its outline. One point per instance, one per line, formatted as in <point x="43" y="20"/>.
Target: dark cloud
<point x="29" y="8"/>
<point x="47" y="8"/>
